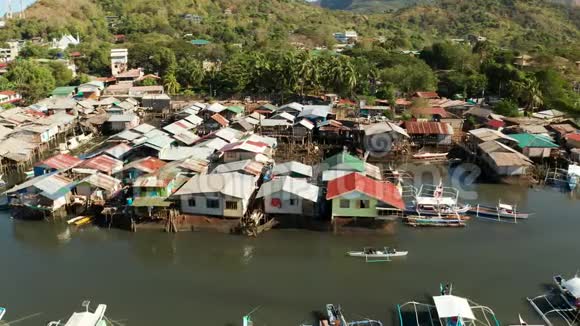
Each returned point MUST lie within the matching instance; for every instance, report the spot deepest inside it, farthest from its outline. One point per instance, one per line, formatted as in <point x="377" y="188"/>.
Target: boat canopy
<point x="573" y="286"/>
<point x="574" y="169"/>
<point x="87" y="318"/>
<point x="449" y="306"/>
<point x="505" y="206"/>
<point x="436" y="201"/>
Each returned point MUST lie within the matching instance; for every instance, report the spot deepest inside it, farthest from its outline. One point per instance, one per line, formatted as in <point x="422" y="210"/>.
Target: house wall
<point x="118" y="125"/>
<point x="354" y="210"/>
<point x="537" y="152"/>
<point x="200" y="207"/>
<point x="84" y="189"/>
<point x="511" y="170"/>
<point x="572" y="143"/>
<point x="239" y="211"/>
<point x="286" y="207"/>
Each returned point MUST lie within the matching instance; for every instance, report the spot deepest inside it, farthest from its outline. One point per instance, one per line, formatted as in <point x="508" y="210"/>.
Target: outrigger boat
<point x="563" y="302"/>
<point x="432" y="200"/>
<point x="427" y="156"/>
<point x="85" y="318"/>
<point x="2" y="312"/>
<point x="433" y="221"/>
<point x="385" y="252"/>
<point x="447" y="309"/>
<point x="80" y="220"/>
<point x="336" y="318"/>
<point x="498" y="212"/>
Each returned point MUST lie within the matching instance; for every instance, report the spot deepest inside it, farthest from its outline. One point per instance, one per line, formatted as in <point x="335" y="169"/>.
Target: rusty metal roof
<point x="60" y="161"/>
<point x="103" y="163"/>
<point x="148" y="164"/>
<point x="428" y="128"/>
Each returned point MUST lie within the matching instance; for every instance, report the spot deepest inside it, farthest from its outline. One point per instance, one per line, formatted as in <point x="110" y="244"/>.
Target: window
<point x="344" y="203"/>
<point x="212" y="203"/>
<point x="292" y="202"/>
<point x="364" y="204"/>
<point x="191" y="202"/>
<point x="231" y="204"/>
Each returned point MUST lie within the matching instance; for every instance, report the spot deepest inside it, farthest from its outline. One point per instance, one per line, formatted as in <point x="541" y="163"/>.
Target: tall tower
<point x="9" y="11"/>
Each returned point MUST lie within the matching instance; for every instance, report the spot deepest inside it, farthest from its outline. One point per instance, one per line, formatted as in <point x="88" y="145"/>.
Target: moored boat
<point x="80" y="220"/>
<point x="432" y="221"/>
<point x="498" y="212"/>
<point x="2" y="312"/>
<point x="438" y="200"/>
<point x="385" y="252"/>
<point x="427" y="156"/>
<point x="573" y="174"/>
<point x="447" y="309"/>
<point x="562" y="304"/>
<point x="85" y="318"/>
<point x="336" y="318"/>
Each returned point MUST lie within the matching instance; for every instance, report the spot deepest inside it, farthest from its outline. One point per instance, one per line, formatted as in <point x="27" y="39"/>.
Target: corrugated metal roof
<point x="288" y="168"/>
<point x="315" y="111"/>
<point x="178" y="127"/>
<point x="297" y="187"/>
<point x="306" y="123"/>
<point x="104" y="181"/>
<point x="127" y="135"/>
<point x="151" y="181"/>
<point x="119" y="150"/>
<point x="230" y="184"/>
<point x="220" y="119"/>
<point x="194" y="119"/>
<point x="283" y="115"/>
<point x="533" y="141"/>
<point x="216" y="107"/>
<point x="384" y="127"/>
<point x="485" y="134"/>
<point x="122" y="117"/>
<point x="228" y="134"/>
<point x="195" y="165"/>
<point x="143" y="128"/>
<point x="248" y="166"/>
<point x="186" y="137"/>
<point x="420" y="112"/>
<point x="103" y="163"/>
<point x="180" y="153"/>
<point x="159" y="142"/>
<point x="214" y="143"/>
<point x="292" y="107"/>
<point x="383" y="191"/>
<point x="60" y="161"/>
<point x="246" y="146"/>
<point x="148" y="164"/>
<point x="428" y="128"/>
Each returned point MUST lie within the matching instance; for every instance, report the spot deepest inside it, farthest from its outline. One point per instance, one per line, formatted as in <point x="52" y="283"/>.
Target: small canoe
<point x="80" y="220"/>
<point x="377" y="254"/>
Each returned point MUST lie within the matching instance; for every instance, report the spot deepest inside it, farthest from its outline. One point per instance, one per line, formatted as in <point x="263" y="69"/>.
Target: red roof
<point x="428" y="128"/>
<point x="428" y="95"/>
<point x="417" y="112"/>
<point x="402" y="101"/>
<point x="573" y="137"/>
<point x="496" y="124"/>
<point x="75" y="54"/>
<point x="383" y="191"/>
<point x="3" y="65"/>
<point x="220" y="119"/>
<point x="103" y="163"/>
<point x="247" y="145"/>
<point x="148" y="164"/>
<point x="9" y="93"/>
<point x="60" y="161"/>
<point x="346" y="101"/>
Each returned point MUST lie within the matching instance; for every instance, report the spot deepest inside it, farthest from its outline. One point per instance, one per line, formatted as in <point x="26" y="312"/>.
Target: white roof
<point x="283" y="115"/>
<point x="287" y="168"/>
<point x="449" y="306"/>
<point x="293" y="106"/>
<point x="315" y="111"/>
<point x="214" y="143"/>
<point x="126" y="135"/>
<point x="87" y="318"/>
<point x="194" y="119"/>
<point x="143" y="128"/>
<point x="271" y="141"/>
<point x="383" y="127"/>
<point x="330" y="175"/>
<point x="228" y="134"/>
<point x="573" y="286"/>
<point x="216" y="107"/>
<point x="231" y="184"/>
<point x="306" y="123"/>
<point x="274" y="122"/>
<point x="298" y="187"/>
<point x="180" y="153"/>
<point x="178" y="127"/>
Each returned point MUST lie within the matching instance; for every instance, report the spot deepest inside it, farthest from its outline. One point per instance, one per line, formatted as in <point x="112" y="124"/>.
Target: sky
<point x="15" y="5"/>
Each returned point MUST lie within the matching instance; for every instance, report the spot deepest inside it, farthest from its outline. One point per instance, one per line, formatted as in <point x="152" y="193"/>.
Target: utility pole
<point x="9" y="12"/>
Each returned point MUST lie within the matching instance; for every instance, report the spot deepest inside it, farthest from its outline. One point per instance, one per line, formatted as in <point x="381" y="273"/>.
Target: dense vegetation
<point x="253" y="50"/>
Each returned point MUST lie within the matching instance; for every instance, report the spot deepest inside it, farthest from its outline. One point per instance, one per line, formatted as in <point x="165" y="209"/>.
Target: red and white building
<point x="7" y="97"/>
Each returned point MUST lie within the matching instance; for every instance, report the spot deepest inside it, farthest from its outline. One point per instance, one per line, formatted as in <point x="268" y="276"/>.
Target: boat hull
<point x="378" y="254"/>
<point x="493" y="212"/>
<point x="433" y="222"/>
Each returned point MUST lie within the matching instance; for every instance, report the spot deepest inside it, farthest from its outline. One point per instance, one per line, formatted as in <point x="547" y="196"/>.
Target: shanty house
<point x="344" y="163"/>
<point x="225" y="194"/>
<point x="47" y="192"/>
<point x="98" y="187"/>
<point x="383" y="137"/>
<point x="56" y="163"/>
<point x="119" y="122"/>
<point x="246" y="150"/>
<point x="535" y="146"/>
<point x="429" y="132"/>
<point x="138" y="168"/>
<point x="103" y="163"/>
<point x="503" y="160"/>
<point x="248" y="167"/>
<point x="287" y="195"/>
<point x="573" y="140"/>
<point x="355" y="195"/>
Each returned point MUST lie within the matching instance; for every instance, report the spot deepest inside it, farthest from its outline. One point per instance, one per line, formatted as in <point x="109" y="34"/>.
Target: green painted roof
<point x="531" y="140"/>
<point x="63" y="91"/>
<point x="235" y="109"/>
<point x="343" y="161"/>
<point x="200" y="42"/>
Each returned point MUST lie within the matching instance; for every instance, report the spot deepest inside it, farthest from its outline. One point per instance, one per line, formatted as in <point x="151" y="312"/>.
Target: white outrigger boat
<point x="563" y="303"/>
<point x="336" y="318"/>
<point x="446" y="310"/>
<point x="385" y="252"/>
<point x="85" y="318"/>
<point x="2" y="312"/>
<point x="431" y="200"/>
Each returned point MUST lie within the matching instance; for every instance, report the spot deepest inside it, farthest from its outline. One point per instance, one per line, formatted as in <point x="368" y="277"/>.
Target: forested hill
<point x="389" y="5"/>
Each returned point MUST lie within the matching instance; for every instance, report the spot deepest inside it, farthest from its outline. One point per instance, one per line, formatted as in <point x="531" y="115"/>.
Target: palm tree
<point x="171" y="84"/>
<point x="529" y="92"/>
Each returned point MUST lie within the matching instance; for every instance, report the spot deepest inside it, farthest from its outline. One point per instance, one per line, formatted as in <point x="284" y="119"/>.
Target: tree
<point x="410" y="79"/>
<point x="149" y="81"/>
<point x="62" y="75"/>
<point x="528" y="92"/>
<point x="506" y="108"/>
<point x="32" y="80"/>
<point x="445" y="56"/>
<point x="171" y="84"/>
